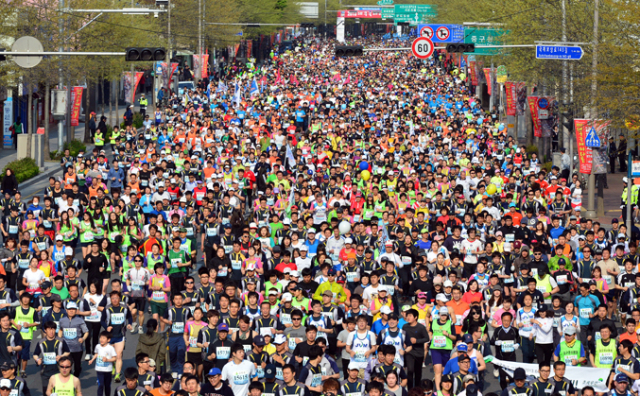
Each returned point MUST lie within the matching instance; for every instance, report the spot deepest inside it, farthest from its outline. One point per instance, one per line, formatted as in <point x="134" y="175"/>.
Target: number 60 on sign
<point x="422" y="48"/>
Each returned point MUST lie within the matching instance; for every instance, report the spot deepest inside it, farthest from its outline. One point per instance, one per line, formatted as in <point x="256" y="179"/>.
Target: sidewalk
<point x="611" y="199"/>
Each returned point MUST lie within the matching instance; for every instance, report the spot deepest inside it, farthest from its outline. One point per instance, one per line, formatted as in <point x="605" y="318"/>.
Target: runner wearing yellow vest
<point x="606" y="350"/>
<point x="25" y="321"/>
<point x="570" y="351"/>
<point x="64" y="384"/>
<point x="443" y="334"/>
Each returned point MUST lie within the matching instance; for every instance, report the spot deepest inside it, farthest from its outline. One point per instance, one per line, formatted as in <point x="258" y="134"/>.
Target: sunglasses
<point x="188" y="283"/>
<point x="65" y="367"/>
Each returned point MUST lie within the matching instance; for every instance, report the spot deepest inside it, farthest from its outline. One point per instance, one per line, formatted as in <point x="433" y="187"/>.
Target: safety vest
<point x="63" y="388"/>
<point x="605" y="355"/>
<point x="21" y="319"/>
<point x="567" y="354"/>
<point x="99" y="139"/>
<point x="377" y="304"/>
<point x="439" y="340"/>
<point x="544" y="285"/>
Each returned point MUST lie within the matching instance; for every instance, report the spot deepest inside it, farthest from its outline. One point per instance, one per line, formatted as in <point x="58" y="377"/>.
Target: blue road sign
<point x="592" y="139"/>
<point x="558" y="52"/>
<point x="444" y="33"/>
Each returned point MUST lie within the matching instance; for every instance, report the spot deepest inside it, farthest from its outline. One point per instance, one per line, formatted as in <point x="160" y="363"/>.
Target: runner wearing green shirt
<point x="178" y="261"/>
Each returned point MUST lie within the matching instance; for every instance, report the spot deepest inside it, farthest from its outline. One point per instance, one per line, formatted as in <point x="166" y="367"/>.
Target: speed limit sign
<point x="426" y="31"/>
<point x="422" y="48"/>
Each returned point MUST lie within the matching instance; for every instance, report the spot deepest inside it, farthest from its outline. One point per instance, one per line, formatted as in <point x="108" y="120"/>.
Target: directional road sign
<point x="414" y="19"/>
<point x="422" y="48"/>
<point x="426" y="9"/>
<point x="592" y="139"/>
<point x="387" y="13"/>
<point x="385" y="2"/>
<point x="484" y="36"/>
<point x="558" y="52"/>
<point x="438" y="33"/>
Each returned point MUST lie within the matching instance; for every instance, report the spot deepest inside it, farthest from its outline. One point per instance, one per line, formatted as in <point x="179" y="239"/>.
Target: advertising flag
<point x="533" y="107"/>
<point x="76" y="104"/>
<point x="510" y="87"/>
<point x="487" y="77"/>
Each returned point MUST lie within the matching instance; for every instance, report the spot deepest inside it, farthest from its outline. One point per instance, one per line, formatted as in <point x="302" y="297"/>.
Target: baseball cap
<point x="270" y="371"/>
<point x="45" y="285"/>
<point x="7" y="366"/>
<point x="570" y="330"/>
<point x="259" y="340"/>
<point x="273" y="292"/>
<point x="619" y="378"/>
<point x="461" y="347"/>
<point x="467" y="339"/>
<point x="5" y="383"/>
<point x="223" y="327"/>
<point x="443" y="311"/>
<point x="441" y="297"/>
<point x="353" y="366"/>
<point x="331" y="272"/>
<point x="280" y="339"/>
<point x="214" y="371"/>
<point x="311" y="231"/>
<point x="59" y="238"/>
<point x="385" y="310"/>
<point x="422" y="295"/>
<point x="468" y="377"/>
<point x="286" y="297"/>
<point x="328" y="293"/>
<point x="520" y="374"/>
<point x="72" y="305"/>
<point x="448" y="283"/>
<point x="68" y="251"/>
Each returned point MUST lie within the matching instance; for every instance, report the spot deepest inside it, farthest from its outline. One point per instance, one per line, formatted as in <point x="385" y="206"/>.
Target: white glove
<point x="498" y="343"/>
<point x="516" y="346"/>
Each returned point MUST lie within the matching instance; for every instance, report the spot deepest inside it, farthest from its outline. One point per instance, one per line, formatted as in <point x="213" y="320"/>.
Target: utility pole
<point x="566" y="139"/>
<point x="60" y="82"/>
<point x="133" y="76"/>
<point x="199" y="40"/>
<point x="591" y="213"/>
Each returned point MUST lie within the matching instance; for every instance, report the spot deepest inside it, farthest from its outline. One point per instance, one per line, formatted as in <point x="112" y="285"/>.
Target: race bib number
<point x="439" y="341"/>
<point x="158" y="296"/>
<point x="117" y="319"/>
<point x="585" y="312"/>
<point x="241" y="378"/>
<point x="507" y="346"/>
<point x="175" y="262"/>
<point x="70" y="334"/>
<point x="49" y="358"/>
<point x="606" y="358"/>
<point x="223" y="353"/>
<point x="177" y="327"/>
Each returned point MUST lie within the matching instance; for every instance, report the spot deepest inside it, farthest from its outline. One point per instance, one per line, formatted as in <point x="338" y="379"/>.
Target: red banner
<point x="487" y="77"/>
<point x="511" y="98"/>
<point x="76" y="104"/>
<point x="533" y="107"/>
<point x="135" y="86"/>
<point x="473" y="72"/>
<point x="585" y="154"/>
<point x="205" y="64"/>
<point x="249" y="49"/>
<point x="359" y="14"/>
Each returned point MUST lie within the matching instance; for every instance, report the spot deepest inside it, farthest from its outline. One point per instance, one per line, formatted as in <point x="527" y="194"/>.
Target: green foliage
<point x="547" y="166"/>
<point x="24" y="169"/>
<point x="75" y="147"/>
<point x="532" y="149"/>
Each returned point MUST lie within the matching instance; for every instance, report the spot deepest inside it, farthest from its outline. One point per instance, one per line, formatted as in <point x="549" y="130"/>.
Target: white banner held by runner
<point x="580" y="377"/>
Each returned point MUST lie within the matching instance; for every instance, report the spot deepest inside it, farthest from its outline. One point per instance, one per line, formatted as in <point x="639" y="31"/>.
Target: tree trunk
<point x="116" y="122"/>
<point x="29" y="118"/>
<point x="47" y="100"/>
<point x="111" y="102"/>
<point x="87" y="133"/>
<point x="102" y="94"/>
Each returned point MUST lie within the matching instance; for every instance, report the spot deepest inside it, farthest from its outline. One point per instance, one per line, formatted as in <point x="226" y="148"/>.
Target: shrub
<point x="24" y="169"/>
<point x="74" y="147"/>
<point x="532" y="149"/>
<point x="547" y="166"/>
<point x="137" y="121"/>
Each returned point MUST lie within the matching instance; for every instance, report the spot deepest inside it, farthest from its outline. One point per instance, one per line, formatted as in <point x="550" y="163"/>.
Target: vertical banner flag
<point x="126" y="86"/>
<point x="521" y="98"/>
<point x="487" y="77"/>
<point x="600" y="156"/>
<point x="254" y="90"/>
<point x="533" y="107"/>
<point x="249" y="49"/>
<point x="135" y="86"/>
<point x="76" y="104"/>
<point x="473" y="72"/>
<point x="205" y="66"/>
<point x="197" y="65"/>
<point x="510" y="87"/>
<point x="584" y="152"/>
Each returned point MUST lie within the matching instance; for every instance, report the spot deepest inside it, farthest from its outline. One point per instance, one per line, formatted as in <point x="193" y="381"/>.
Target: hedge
<point x="74" y="147"/>
<point x="24" y="169"/>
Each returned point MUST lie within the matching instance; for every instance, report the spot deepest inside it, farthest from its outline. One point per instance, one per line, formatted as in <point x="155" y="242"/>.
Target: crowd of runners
<point x="314" y="226"/>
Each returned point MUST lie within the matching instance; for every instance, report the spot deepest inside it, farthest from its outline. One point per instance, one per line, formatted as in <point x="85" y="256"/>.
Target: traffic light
<point x="349" y="50"/>
<point x="142" y="54"/>
<point x="568" y="120"/>
<point x="451" y="48"/>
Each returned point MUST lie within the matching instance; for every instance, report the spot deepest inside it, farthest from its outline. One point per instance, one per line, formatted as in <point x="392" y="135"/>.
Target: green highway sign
<point x="387" y="13"/>
<point x="385" y="2"/>
<point x="426" y="9"/>
<point x="413" y="19"/>
<point x="484" y="36"/>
